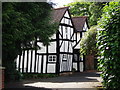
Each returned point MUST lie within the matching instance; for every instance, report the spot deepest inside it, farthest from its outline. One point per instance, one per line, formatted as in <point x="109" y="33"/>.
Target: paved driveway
<point x="76" y="81"/>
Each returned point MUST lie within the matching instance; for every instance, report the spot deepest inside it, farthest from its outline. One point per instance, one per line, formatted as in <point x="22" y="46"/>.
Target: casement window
<point x="52" y="58"/>
<point x="64" y="57"/>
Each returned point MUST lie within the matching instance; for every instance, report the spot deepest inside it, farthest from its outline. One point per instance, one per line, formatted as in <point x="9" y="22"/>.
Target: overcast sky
<point x="61" y="3"/>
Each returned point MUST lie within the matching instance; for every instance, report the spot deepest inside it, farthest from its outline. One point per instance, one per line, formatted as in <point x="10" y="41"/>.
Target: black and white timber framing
<point x="60" y="55"/>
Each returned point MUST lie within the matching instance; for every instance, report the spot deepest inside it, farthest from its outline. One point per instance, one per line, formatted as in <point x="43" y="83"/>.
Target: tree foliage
<point x="109" y="46"/>
<point x="88" y="42"/>
<point x="91" y="9"/>
<point x="21" y="24"/>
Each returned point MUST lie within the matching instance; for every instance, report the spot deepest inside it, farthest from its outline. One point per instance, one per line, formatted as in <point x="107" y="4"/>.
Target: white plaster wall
<point x="70" y="47"/>
<point x="70" y="62"/>
<point x="68" y="32"/>
<point x="21" y="62"/>
<point x="64" y="33"/>
<point x="39" y="69"/>
<point x="53" y="36"/>
<point x="52" y="47"/>
<point x="51" y="68"/>
<point x="66" y="14"/>
<point x="85" y="27"/>
<point x="29" y="60"/>
<point x="78" y="46"/>
<point x="72" y="31"/>
<point x="17" y="61"/>
<point x="43" y="48"/>
<point x="25" y="61"/>
<point x="33" y="61"/>
<point x="75" y="65"/>
<point x="44" y="64"/>
<point x="78" y="36"/>
<point x="81" y="66"/>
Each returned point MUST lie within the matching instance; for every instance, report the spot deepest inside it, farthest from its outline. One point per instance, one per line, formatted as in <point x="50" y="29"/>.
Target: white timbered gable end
<point x="66" y="32"/>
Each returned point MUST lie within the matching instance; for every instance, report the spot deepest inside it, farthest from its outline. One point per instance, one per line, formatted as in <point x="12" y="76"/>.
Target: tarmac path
<point x="76" y="81"/>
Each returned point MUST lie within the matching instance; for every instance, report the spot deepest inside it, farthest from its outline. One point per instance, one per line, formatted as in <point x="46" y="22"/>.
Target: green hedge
<point x="109" y="46"/>
<point x="33" y="76"/>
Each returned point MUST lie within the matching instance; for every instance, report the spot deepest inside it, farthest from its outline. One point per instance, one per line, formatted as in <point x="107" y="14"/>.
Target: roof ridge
<point x="60" y="8"/>
<point x="80" y="17"/>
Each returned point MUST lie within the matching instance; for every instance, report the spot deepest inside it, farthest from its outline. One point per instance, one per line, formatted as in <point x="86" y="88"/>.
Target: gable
<point x="80" y="23"/>
<point x="66" y="19"/>
<point x="58" y="13"/>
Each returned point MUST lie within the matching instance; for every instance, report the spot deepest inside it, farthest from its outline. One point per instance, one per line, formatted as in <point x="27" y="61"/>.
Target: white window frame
<point x="52" y="58"/>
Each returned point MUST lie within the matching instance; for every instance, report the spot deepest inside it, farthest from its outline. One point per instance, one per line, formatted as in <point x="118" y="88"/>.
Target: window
<point x="64" y="57"/>
<point x="52" y="58"/>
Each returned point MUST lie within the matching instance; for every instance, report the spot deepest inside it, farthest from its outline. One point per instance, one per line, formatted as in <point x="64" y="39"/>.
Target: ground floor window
<point x="64" y="57"/>
<point x="52" y="58"/>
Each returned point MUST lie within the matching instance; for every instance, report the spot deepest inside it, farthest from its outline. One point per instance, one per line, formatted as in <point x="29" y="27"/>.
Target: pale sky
<point x="61" y="3"/>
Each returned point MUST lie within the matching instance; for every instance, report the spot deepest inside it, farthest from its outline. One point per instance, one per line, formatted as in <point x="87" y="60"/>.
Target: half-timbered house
<point x="81" y="26"/>
<point x="58" y="56"/>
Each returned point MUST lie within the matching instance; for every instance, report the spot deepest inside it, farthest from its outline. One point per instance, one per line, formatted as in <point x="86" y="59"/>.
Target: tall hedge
<point x="109" y="46"/>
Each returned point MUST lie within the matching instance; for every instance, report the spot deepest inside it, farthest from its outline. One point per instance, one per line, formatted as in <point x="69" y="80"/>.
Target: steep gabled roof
<point x="79" y="22"/>
<point x="58" y="13"/>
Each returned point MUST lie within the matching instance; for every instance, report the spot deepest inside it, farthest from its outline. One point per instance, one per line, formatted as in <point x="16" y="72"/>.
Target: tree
<point x="79" y="8"/>
<point x="91" y="9"/>
<point x="88" y="42"/>
<point x="21" y="24"/>
<point x="96" y="10"/>
<point x="89" y="49"/>
<point x="109" y="46"/>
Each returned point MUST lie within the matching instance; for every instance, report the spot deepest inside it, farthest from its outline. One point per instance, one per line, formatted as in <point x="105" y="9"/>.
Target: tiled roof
<point x="58" y="13"/>
<point x="79" y="22"/>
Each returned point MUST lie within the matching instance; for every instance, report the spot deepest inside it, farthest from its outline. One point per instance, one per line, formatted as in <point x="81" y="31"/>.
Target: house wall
<point x="66" y="43"/>
<point x="78" y="37"/>
<point x="39" y="61"/>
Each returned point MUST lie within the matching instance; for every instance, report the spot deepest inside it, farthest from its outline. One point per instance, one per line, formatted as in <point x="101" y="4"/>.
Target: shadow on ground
<point x="76" y="77"/>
